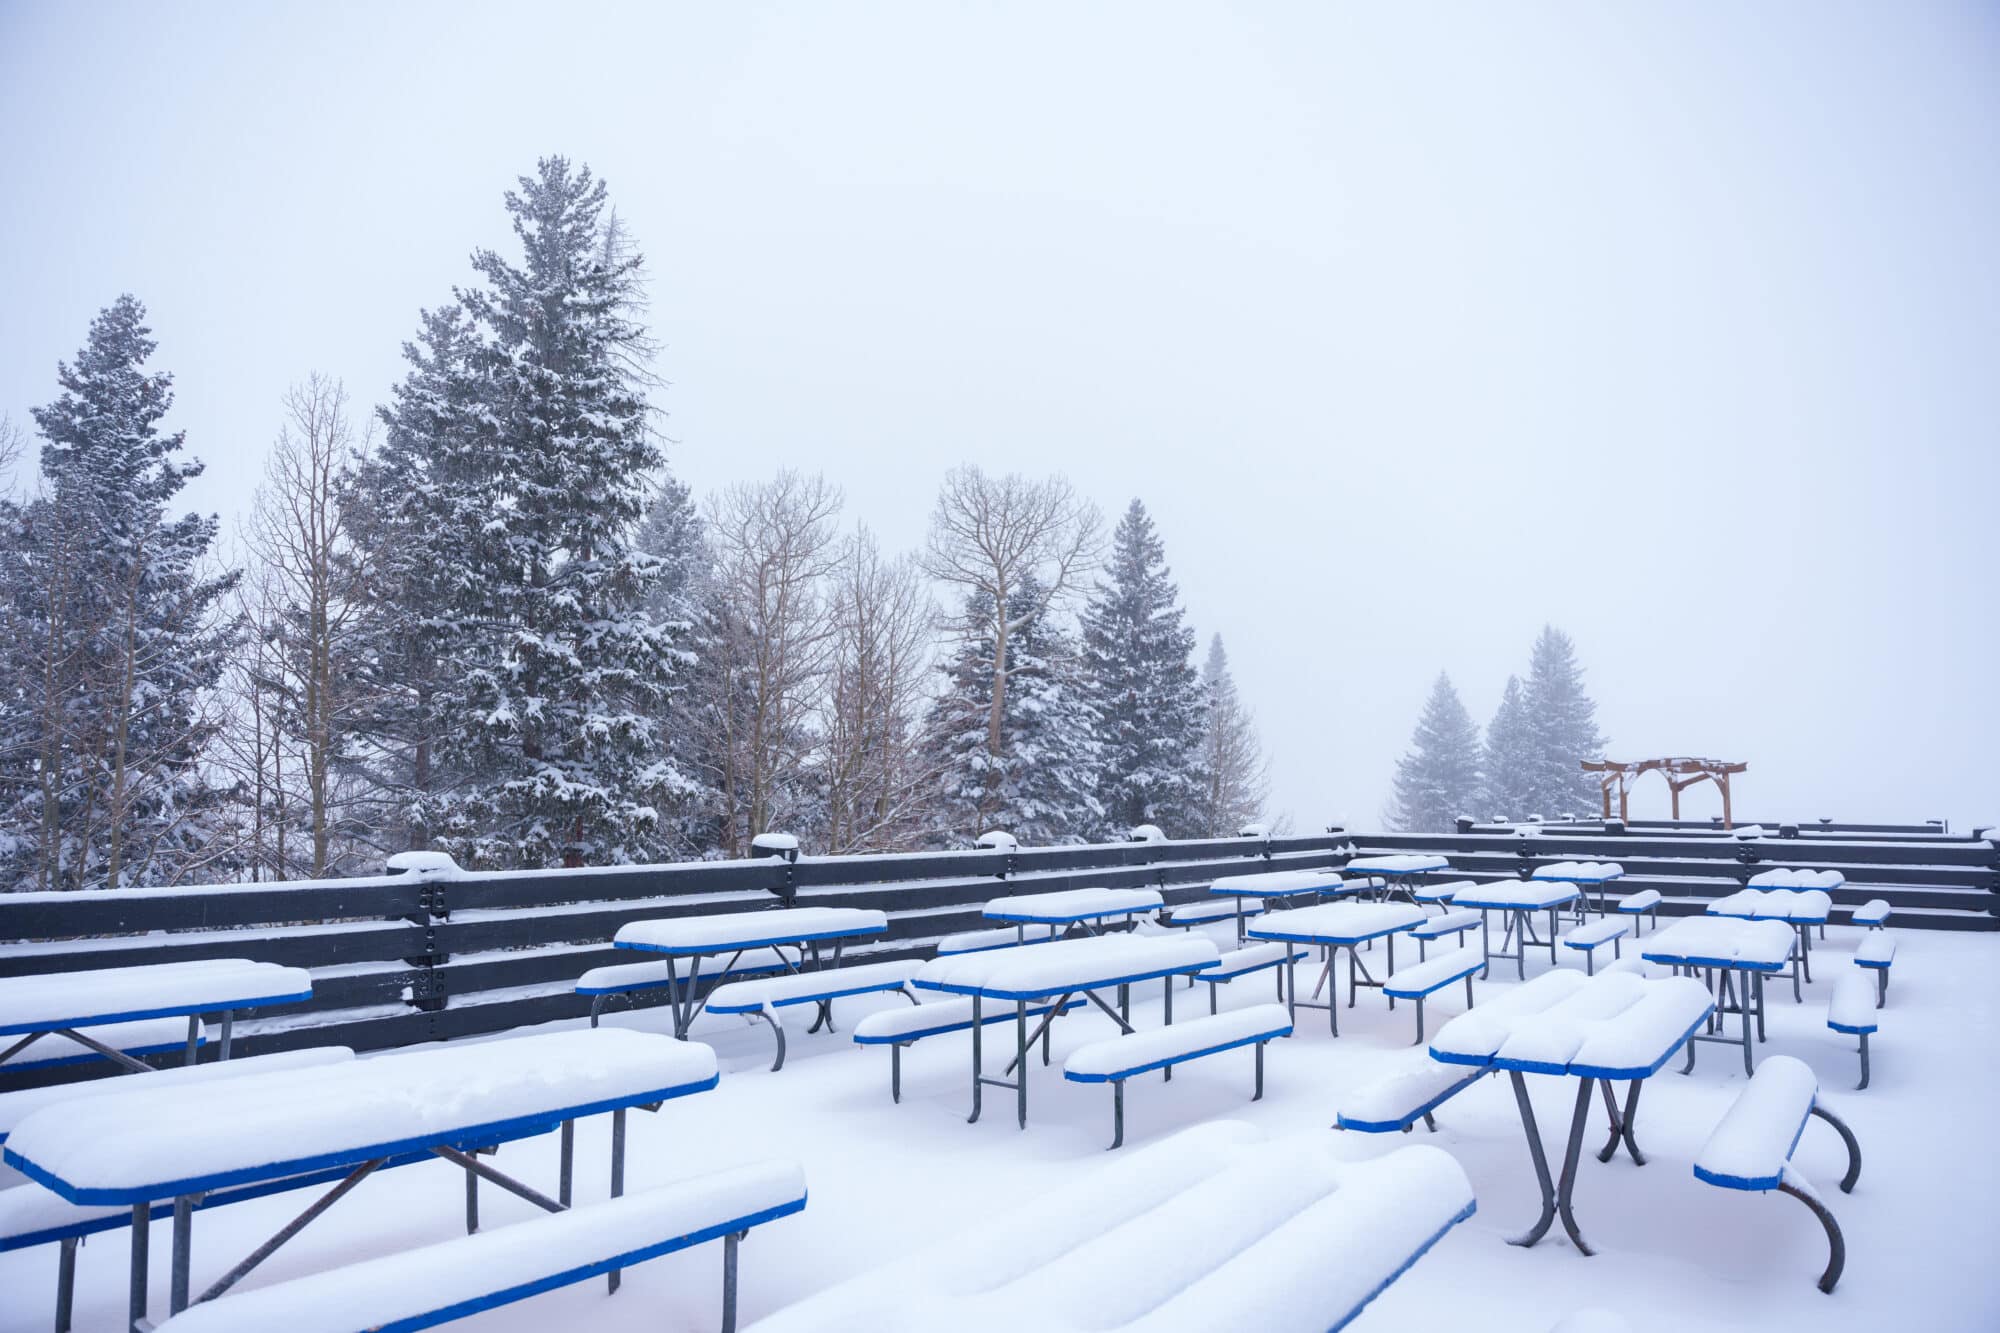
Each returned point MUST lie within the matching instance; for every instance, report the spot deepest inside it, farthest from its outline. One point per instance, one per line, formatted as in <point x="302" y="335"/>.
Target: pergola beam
<point x="1679" y="771"/>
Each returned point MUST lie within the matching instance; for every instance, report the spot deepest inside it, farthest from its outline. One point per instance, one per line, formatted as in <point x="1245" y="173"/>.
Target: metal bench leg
<point x="896" y="1073"/>
<point x="142" y="1228"/>
<point x="973" y="1119"/>
<point x="777" y="1030"/>
<point x="1836" y="1259"/>
<point x="1430" y="1122"/>
<point x="1881" y="986"/>
<point x="1864" y="1063"/>
<point x="194" y="1037"/>
<point x="1590" y="962"/>
<point x="1211" y="997"/>
<point x="566" y="1176"/>
<point x="1853" y="1148"/>
<point x="183" y="1254"/>
<point x="617" y="1177"/>
<point x="1117" y="1115"/>
<point x="65" y="1282"/>
<point x="471" y="1201"/>
<point x="1420" y="1022"/>
<point x="1258" y="1096"/>
<point x="729" y="1243"/>
<point x="597" y="1008"/>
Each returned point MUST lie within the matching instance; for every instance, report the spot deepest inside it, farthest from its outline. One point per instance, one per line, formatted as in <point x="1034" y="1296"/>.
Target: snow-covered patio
<point x="887" y="1179"/>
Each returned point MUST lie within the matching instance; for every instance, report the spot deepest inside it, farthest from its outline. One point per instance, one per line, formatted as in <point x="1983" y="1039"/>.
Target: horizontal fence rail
<point x="434" y="953"/>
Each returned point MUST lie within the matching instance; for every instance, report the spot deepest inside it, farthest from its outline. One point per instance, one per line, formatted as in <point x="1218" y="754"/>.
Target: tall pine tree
<point x="117" y="636"/>
<point x="1042" y="786"/>
<point x="1141" y="681"/>
<point x="1234" y="772"/>
<point x="1508" y="791"/>
<point x="1438" y="779"/>
<point x="563" y="726"/>
<point x="1563" y="726"/>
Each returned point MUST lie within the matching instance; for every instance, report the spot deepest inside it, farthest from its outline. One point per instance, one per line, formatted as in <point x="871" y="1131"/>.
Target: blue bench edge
<point x="870" y="989"/>
<point x="1392" y="1126"/>
<point x="1119" y="1076"/>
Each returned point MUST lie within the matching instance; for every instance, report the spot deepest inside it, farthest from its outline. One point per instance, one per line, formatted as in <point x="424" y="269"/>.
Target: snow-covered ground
<point x="886" y="1179"/>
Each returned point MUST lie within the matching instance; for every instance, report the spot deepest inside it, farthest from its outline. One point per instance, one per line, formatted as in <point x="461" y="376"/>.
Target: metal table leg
<point x="1565" y="1189"/>
<point x="1534" y="1133"/>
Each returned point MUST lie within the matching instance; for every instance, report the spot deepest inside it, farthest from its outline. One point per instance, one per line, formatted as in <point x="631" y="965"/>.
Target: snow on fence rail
<point x="427" y="955"/>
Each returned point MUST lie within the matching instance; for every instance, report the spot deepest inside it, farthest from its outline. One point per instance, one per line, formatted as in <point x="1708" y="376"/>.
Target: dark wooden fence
<point x="421" y="956"/>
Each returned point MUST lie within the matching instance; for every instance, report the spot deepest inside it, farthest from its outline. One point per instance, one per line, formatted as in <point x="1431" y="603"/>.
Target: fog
<point x="1678" y="327"/>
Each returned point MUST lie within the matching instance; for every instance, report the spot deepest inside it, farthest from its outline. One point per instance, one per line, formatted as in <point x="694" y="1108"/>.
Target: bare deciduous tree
<point x="1012" y="545"/>
<point x="881" y="780"/>
<point x="775" y="545"/>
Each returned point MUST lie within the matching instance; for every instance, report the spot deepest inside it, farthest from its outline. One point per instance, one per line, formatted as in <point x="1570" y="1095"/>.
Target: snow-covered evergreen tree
<point x="1140" y="679"/>
<point x="117" y="636"/>
<point x="1234" y="772"/>
<point x="1438" y="779"/>
<point x="1508" y="791"/>
<point x="562" y="730"/>
<point x="685" y="602"/>
<point x="1042" y="786"/>
<point x="417" y="512"/>
<point x="1563" y="723"/>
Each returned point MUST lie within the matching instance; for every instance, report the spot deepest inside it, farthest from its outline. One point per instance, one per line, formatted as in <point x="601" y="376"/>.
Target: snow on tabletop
<point x="1250" y="957"/>
<point x="728" y="930"/>
<point x="29" y="1210"/>
<point x="1213" y="1228"/>
<point x="1195" y="914"/>
<point x="939" y="1015"/>
<point x="1439" y="892"/>
<point x="1279" y="883"/>
<point x="1756" y="1134"/>
<point x="1852" y="1006"/>
<point x="1592" y="872"/>
<point x="1392" y="1098"/>
<point x="1775" y="904"/>
<point x="1076" y="964"/>
<point x="653" y="972"/>
<point x="1397" y="865"/>
<point x="1632" y="1042"/>
<point x="135" y="1145"/>
<point x="1476" y="1035"/>
<point x="465" y="1268"/>
<point x="1877" y="949"/>
<point x="1549" y="1040"/>
<point x="1532" y="894"/>
<point x="1101" y="1059"/>
<point x="1797" y="879"/>
<point x="1720" y="939"/>
<point x="1073" y="904"/>
<point x="1339" y="922"/>
<point x="33" y="1003"/>
<point x="17" y="1105"/>
<point x="791" y="986"/>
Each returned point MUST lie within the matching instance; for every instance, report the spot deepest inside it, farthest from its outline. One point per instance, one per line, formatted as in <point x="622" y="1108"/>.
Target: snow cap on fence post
<point x="1146" y="833"/>
<point x="1260" y="831"/>
<point x="784" y="846"/>
<point x="999" y="840"/>
<point x="424" y="865"/>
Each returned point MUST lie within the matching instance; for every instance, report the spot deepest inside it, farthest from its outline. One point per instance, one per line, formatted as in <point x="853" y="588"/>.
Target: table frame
<point x="687" y="1001"/>
<point x="1333" y="947"/>
<point x="1520" y="929"/>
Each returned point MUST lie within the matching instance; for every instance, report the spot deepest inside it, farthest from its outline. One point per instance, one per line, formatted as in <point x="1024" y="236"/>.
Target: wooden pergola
<point x="1679" y="772"/>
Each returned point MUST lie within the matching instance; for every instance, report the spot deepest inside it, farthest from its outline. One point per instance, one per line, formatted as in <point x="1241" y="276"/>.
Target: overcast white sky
<point x="1678" y="326"/>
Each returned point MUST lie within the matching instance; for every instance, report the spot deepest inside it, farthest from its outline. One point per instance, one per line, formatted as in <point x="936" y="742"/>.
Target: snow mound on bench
<point x="1116" y="1056"/>
<point x="1212" y="1228"/>
<point x="1756" y="1135"/>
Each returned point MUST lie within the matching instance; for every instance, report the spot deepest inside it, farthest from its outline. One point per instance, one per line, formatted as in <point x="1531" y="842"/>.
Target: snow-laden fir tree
<point x="1509" y="759"/>
<point x="1437" y="780"/>
<point x="561" y="730"/>
<point x="116" y="636"/>
<point x="417" y="511"/>
<point x="686" y="603"/>
<point x="1235" y="774"/>
<point x="1140" y="677"/>
<point x="1042" y="785"/>
<point x="1563" y="724"/>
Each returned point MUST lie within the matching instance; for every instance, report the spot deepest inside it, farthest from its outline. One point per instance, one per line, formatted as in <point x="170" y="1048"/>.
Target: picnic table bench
<point x="1401" y="871"/>
<point x="1752" y="1146"/>
<point x="616" y="981"/>
<point x="1420" y="980"/>
<point x="1875" y="953"/>
<point x="141" y="1037"/>
<point x="1059" y="972"/>
<point x="1239" y="963"/>
<point x="731" y="936"/>
<point x="1851" y="1009"/>
<point x="1141" y="1245"/>
<point x="1117" y="1059"/>
<point x="1873" y="914"/>
<point x="1586" y="875"/>
<point x="899" y="1028"/>
<point x="353" y="1117"/>
<point x="451" y="1280"/>
<point x="1646" y="903"/>
<point x="70" y="1004"/>
<point x="1589" y="937"/>
<point x="1000" y="937"/>
<point x="1333" y="927"/>
<point x="763" y="997"/>
<point x="1616" y="1027"/>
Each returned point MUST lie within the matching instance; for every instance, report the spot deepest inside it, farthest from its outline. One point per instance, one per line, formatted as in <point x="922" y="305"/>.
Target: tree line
<point x="487" y="618"/>
<point x="1527" y="764"/>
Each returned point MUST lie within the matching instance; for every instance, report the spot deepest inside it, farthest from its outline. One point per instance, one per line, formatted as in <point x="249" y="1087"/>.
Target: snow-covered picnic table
<point x="1333" y="927"/>
<point x="726" y="936"/>
<point x="1802" y="897"/>
<point x="1585" y="874"/>
<point x="1517" y="901"/>
<point x="1614" y="1026"/>
<point x="1058" y="971"/>
<point x="1400" y="869"/>
<point x="66" y="1003"/>
<point x="1083" y="908"/>
<point x="181" y="1140"/>
<point x="1739" y="954"/>
<point x="1317" y="883"/>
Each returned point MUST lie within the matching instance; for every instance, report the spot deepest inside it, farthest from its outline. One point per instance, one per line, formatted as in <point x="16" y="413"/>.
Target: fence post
<point x="783" y="845"/>
<point x="999" y="840"/>
<point x="433" y="871"/>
